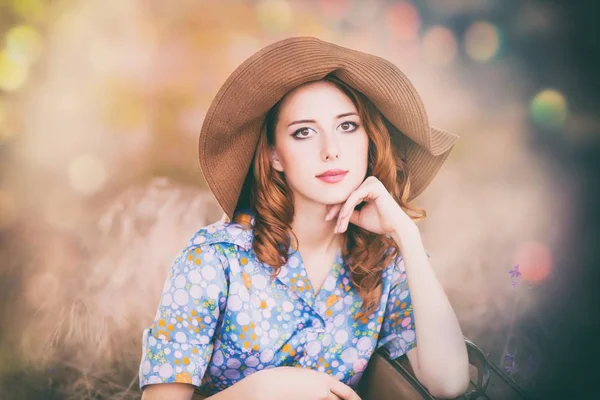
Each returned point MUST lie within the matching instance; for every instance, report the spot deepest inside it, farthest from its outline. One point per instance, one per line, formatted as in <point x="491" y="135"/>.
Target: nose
<point x="330" y="148"/>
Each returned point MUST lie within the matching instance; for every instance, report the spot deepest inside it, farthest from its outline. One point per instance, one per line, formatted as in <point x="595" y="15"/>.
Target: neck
<point x="313" y="232"/>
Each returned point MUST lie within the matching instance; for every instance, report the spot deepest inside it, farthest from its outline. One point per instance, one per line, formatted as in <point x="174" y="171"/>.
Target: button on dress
<point x="221" y="318"/>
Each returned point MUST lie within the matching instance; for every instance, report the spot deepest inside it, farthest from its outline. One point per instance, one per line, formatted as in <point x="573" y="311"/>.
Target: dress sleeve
<point x="178" y="345"/>
<point x="398" y="329"/>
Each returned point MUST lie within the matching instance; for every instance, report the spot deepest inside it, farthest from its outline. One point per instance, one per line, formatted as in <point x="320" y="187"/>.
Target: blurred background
<point x="101" y="103"/>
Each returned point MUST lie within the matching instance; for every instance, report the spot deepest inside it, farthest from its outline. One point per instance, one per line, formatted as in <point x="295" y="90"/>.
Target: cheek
<point x="359" y="149"/>
<point x="297" y="156"/>
<point x="360" y="159"/>
<point x="297" y="162"/>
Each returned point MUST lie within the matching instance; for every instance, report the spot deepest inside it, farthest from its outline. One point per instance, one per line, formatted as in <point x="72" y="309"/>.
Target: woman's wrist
<point x="406" y="235"/>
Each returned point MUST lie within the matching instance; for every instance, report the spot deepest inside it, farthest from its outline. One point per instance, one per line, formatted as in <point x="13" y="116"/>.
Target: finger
<point x="370" y="189"/>
<point x="354" y="217"/>
<point x="353" y="200"/>
<point x="333" y="211"/>
<point x="343" y="391"/>
<point x="332" y="396"/>
<point x="329" y="395"/>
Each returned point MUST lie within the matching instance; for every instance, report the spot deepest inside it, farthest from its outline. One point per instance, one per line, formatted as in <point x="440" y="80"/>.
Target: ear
<point x="274" y="159"/>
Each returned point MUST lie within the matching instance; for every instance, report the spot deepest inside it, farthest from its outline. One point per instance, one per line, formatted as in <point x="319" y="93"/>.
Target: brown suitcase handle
<point x="479" y="361"/>
<point x="402" y="366"/>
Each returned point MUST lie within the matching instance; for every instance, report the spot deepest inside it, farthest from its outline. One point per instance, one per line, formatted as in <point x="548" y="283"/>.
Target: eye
<point x="349" y="126"/>
<point x="301" y="133"/>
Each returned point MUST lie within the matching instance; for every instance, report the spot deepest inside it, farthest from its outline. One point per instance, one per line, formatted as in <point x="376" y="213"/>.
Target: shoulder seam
<point x="219" y="232"/>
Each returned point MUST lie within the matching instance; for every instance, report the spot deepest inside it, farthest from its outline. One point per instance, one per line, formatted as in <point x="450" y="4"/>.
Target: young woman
<point x="314" y="152"/>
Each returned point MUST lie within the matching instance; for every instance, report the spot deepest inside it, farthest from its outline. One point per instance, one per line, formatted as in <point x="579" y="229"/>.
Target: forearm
<point x="183" y="391"/>
<point x="243" y="389"/>
<point x="441" y="350"/>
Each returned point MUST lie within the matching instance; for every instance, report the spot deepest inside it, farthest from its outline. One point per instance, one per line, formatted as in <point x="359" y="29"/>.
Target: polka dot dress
<point x="221" y="318"/>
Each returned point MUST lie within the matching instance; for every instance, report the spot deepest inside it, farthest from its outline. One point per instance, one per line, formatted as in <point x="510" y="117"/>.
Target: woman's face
<point x="318" y="129"/>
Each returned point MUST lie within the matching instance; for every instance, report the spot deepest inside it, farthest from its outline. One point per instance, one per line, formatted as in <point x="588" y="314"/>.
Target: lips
<point x="332" y="172"/>
<point x="332" y="176"/>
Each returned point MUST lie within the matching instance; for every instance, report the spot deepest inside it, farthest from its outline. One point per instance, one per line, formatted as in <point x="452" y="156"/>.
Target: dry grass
<point x="83" y="333"/>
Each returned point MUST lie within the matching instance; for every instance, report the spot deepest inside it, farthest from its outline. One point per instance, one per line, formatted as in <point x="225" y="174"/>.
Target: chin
<point x="333" y="196"/>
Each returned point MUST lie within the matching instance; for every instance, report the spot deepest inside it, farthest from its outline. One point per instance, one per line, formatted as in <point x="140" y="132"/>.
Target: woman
<point x="314" y="152"/>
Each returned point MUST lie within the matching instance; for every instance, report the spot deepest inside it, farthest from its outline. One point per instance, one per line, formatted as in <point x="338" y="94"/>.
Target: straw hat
<point x="234" y="121"/>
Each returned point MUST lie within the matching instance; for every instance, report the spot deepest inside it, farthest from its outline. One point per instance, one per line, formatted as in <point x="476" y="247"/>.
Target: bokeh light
<point x="240" y="48"/>
<point x="457" y="7"/>
<point x="30" y="10"/>
<point x="535" y="262"/>
<point x="549" y="109"/>
<point x="366" y="12"/>
<point x="312" y="25"/>
<point x="335" y="9"/>
<point x="439" y="46"/>
<point x="87" y="174"/>
<point x="104" y="95"/>
<point x="274" y="15"/>
<point x="482" y="41"/>
<point x="13" y="73"/>
<point x="403" y="21"/>
<point x="23" y="43"/>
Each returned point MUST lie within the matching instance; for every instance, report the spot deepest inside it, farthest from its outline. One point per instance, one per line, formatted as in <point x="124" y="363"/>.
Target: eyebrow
<point x="304" y="121"/>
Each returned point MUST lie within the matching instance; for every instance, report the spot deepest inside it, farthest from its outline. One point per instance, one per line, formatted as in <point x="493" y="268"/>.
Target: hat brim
<point x="234" y="120"/>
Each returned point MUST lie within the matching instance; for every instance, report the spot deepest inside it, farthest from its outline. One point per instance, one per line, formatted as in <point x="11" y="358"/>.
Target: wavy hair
<point x="366" y="254"/>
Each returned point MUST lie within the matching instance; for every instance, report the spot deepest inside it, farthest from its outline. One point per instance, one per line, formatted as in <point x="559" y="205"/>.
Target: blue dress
<point x="220" y="317"/>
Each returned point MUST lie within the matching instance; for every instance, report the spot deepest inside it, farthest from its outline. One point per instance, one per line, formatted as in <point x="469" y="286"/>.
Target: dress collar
<point x="293" y="274"/>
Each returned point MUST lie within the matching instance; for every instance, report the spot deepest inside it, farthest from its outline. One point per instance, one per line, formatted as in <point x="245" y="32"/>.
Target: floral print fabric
<point x="221" y="318"/>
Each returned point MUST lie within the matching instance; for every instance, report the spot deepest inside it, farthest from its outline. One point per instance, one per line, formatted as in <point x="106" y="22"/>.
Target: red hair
<point x="365" y="254"/>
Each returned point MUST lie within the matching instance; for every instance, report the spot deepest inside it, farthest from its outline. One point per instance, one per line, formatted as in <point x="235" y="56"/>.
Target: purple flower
<point x="514" y="282"/>
<point x="510" y="365"/>
<point x="514" y="272"/>
<point x="510" y="368"/>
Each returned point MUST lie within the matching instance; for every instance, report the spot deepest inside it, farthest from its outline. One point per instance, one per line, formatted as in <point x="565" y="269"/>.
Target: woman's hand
<point x="291" y="383"/>
<point x="381" y="214"/>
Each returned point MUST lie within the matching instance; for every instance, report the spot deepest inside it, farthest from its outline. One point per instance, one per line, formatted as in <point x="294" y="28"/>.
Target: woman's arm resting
<point x="174" y="391"/>
<point x="440" y="360"/>
<point x="184" y="391"/>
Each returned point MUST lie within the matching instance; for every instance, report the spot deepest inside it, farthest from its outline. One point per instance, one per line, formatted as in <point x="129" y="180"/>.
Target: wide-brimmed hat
<point x="234" y="121"/>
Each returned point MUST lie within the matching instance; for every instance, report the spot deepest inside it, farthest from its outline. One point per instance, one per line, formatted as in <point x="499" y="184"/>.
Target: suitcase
<point x="393" y="379"/>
